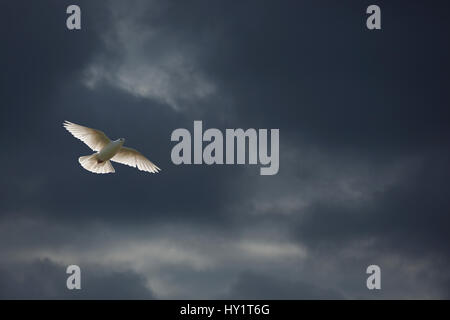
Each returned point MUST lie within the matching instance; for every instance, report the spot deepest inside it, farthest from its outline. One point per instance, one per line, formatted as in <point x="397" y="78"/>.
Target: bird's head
<point x="122" y="140"/>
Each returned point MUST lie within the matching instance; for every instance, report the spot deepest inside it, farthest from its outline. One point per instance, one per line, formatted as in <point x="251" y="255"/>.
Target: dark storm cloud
<point x="363" y="122"/>
<point x="256" y="286"/>
<point x="39" y="54"/>
<point x="410" y="216"/>
<point x="44" y="279"/>
<point x="328" y="80"/>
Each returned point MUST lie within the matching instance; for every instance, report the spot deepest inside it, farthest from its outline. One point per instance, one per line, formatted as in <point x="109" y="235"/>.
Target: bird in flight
<point x="107" y="151"/>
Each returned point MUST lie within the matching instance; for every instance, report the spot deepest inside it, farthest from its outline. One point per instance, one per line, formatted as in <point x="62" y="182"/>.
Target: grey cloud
<point x="44" y="279"/>
<point x="407" y="214"/>
<point x="256" y="286"/>
<point x="149" y="60"/>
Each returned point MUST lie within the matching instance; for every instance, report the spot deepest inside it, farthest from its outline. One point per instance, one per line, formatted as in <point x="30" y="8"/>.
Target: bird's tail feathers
<point x="92" y="164"/>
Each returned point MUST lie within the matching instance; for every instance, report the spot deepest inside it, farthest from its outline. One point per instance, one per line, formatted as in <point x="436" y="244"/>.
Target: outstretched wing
<point x="134" y="158"/>
<point x="95" y="139"/>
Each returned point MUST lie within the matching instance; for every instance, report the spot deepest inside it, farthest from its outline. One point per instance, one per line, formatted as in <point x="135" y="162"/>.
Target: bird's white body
<point x="106" y="150"/>
<point x="110" y="150"/>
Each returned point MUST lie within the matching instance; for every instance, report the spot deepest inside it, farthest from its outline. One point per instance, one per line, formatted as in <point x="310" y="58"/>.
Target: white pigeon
<point x="107" y="150"/>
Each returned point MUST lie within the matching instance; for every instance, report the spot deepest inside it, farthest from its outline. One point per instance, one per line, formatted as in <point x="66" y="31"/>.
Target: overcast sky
<point x="364" y="149"/>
